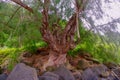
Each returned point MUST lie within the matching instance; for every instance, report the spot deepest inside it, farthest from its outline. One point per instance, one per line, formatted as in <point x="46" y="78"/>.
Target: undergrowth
<point x="102" y="53"/>
<point x="10" y="56"/>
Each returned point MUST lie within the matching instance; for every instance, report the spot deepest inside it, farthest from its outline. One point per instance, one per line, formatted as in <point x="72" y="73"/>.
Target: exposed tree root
<point x="55" y="61"/>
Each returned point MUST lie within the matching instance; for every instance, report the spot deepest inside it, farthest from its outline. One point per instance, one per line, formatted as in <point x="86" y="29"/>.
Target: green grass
<point x="4" y="53"/>
<point x="102" y="53"/>
<point x="11" y="55"/>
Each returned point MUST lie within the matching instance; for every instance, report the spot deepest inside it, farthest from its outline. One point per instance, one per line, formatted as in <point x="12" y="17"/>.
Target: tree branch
<point x="23" y="5"/>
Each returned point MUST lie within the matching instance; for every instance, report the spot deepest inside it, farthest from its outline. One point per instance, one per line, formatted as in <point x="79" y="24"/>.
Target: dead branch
<point x="19" y="2"/>
<point x="79" y="6"/>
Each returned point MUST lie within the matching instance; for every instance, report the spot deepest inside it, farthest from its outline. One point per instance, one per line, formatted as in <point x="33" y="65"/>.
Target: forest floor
<point x="37" y="60"/>
<point x="79" y="65"/>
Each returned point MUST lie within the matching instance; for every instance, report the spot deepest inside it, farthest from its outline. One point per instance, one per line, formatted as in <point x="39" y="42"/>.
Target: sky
<point x="111" y="11"/>
<point x="103" y="12"/>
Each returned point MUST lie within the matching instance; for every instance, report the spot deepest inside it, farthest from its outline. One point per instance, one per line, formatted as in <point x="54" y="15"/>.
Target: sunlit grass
<point x="12" y="54"/>
<point x="102" y="53"/>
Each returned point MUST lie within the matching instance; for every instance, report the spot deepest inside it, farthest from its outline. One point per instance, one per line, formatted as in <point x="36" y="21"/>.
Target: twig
<point x="13" y="15"/>
<point x="115" y="75"/>
<point x="8" y="26"/>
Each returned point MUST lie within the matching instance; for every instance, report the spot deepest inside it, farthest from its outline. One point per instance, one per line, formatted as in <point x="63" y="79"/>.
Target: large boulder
<point x="3" y="76"/>
<point x="100" y="70"/>
<point x="88" y="74"/>
<point x="49" y="76"/>
<point x="83" y="64"/>
<point x="64" y="73"/>
<point x="113" y="77"/>
<point x="23" y="72"/>
<point x="77" y="75"/>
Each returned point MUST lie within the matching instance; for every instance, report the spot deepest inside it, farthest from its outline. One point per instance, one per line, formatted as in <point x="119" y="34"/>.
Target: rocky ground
<point x="80" y="67"/>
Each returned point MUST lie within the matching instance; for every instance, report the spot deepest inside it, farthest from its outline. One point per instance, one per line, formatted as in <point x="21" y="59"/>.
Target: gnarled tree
<point x="59" y="40"/>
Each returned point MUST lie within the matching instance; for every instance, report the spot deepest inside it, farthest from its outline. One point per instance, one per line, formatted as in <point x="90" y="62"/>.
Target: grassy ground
<point x="9" y="56"/>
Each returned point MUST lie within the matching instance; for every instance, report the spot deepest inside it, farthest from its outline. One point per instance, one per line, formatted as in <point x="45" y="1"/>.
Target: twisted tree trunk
<point x="59" y="43"/>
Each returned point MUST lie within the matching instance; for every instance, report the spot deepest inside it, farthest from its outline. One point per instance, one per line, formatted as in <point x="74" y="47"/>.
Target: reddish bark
<point x="59" y="43"/>
<point x="19" y="2"/>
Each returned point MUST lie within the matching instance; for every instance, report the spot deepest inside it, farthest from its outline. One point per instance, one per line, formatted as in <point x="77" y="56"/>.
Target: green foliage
<point x="95" y="45"/>
<point x="4" y="54"/>
<point x="56" y="1"/>
<point x="103" y="52"/>
<point x="18" y="28"/>
<point x="14" y="58"/>
<point x="106" y="53"/>
<point x="33" y="46"/>
<point x="9" y="57"/>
